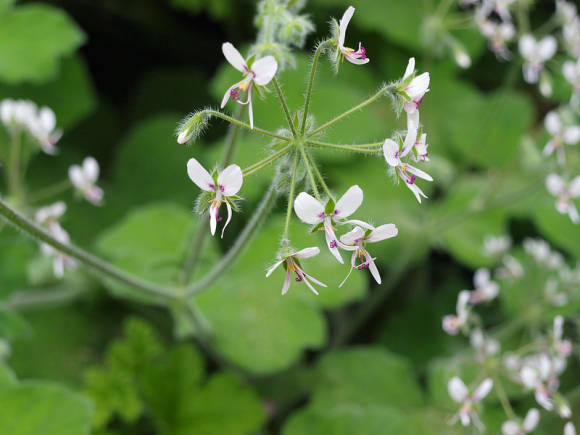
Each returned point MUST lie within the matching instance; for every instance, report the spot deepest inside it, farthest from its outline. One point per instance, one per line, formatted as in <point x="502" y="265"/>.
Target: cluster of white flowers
<point x="222" y="186"/>
<point x="23" y="119"/>
<point x="535" y="367"/>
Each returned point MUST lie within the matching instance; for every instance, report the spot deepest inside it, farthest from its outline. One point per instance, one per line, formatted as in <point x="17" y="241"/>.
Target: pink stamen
<point x="362" y="52"/>
<point x="333" y="244"/>
<point x="234" y="93"/>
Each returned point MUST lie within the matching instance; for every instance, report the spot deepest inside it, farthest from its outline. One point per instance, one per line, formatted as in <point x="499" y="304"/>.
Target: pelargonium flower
<point x="416" y="87"/>
<point x="405" y="172"/>
<point x="510" y="268"/>
<point x="49" y="215"/>
<point x="358" y="57"/>
<point x="539" y="373"/>
<point x="484" y="345"/>
<point x="260" y="72"/>
<point x="292" y="265"/>
<point x="529" y="423"/>
<point x="498" y="34"/>
<point x="485" y="289"/>
<point x="356" y="240"/>
<point x="562" y="347"/>
<point x="84" y="177"/>
<point x="311" y="211"/>
<point x="421" y="154"/>
<point x="571" y="71"/>
<point x="43" y="128"/>
<point x="468" y="411"/>
<point x="535" y="54"/>
<point x="229" y="182"/>
<point x="452" y="323"/>
<point x="496" y="246"/>
<point x="565" y="192"/>
<point x="560" y="135"/>
<point x="60" y="261"/>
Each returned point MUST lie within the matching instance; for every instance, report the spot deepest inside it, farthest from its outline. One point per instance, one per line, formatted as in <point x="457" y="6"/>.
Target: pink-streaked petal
<point x="374" y="270"/>
<point x="287" y="280"/>
<point x="390" y="150"/>
<point x="230" y="179"/>
<point x="352" y="236"/>
<point x="357" y="222"/>
<point x="418" y="87"/>
<point x="311" y="278"/>
<point x="332" y="240"/>
<point x="274" y="267"/>
<point x="307" y="252"/>
<point x="457" y="389"/>
<point x="419" y="173"/>
<point x="355" y="60"/>
<point x="264" y="70"/>
<point x="200" y="176"/>
<point x="416" y="191"/>
<point x="349" y="202"/>
<point x="382" y="232"/>
<point x="308" y="209"/>
<point x="229" y="207"/>
<point x="234" y="57"/>
<point x="343" y="25"/>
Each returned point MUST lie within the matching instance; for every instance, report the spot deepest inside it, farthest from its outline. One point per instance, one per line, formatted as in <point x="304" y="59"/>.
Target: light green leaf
<point x="33" y="39"/>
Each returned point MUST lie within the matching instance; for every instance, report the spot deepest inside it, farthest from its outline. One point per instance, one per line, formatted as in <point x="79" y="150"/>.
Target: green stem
<point x="28" y="227"/>
<point x="263" y="209"/>
<point x="318" y="174"/>
<point x="309" y="172"/>
<point x="244" y="125"/>
<point x="14" y="186"/>
<point x="317" y="54"/>
<point x="373" y="149"/>
<point x="505" y="403"/>
<point x="50" y="191"/>
<point x="252" y="169"/>
<point x="56" y="296"/>
<point x="365" y="103"/>
<point x="291" y="196"/>
<point x="284" y="106"/>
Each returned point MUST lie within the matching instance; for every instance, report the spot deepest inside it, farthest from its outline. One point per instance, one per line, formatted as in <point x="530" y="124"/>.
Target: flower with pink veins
<point x="229" y="182"/>
<point x="535" y="53"/>
<point x="560" y="135"/>
<point x="516" y="427"/>
<point x="404" y="171"/>
<point x="565" y="192"/>
<point x="562" y="347"/>
<point x="260" y="72"/>
<point x="497" y="35"/>
<point x="84" y="177"/>
<point x="358" y="57"/>
<point x="311" y="211"/>
<point x="355" y="241"/>
<point x="485" y="289"/>
<point x="459" y="392"/>
<point x="421" y="153"/>
<point x="540" y="374"/>
<point x="416" y="87"/>
<point x="292" y="265"/>
<point x="43" y="128"/>
<point x="452" y="323"/>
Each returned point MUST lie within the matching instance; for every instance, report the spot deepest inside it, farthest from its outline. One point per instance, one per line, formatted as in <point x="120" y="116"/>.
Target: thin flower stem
<point x="362" y="149"/>
<point x="505" y="403"/>
<point x="244" y="125"/>
<point x="13" y="170"/>
<point x="284" y="106"/>
<point x="50" y="191"/>
<point x="291" y="196"/>
<point x="365" y="103"/>
<point x="252" y="169"/>
<point x="317" y="53"/>
<point x="28" y="227"/>
<point x="309" y="172"/>
<point x="318" y="174"/>
<point x="241" y="242"/>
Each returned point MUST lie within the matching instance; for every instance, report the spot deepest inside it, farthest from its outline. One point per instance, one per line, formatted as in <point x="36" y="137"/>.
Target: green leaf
<point x="12" y="325"/>
<point x="33" y="39"/>
<point x="31" y="408"/>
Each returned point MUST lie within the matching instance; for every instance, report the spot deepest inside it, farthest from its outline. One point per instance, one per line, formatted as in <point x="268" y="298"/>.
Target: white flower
<point x="416" y="88"/>
<point x="498" y="34"/>
<point x="540" y="373"/>
<point x="562" y="347"/>
<point x="260" y="72"/>
<point x="485" y="289"/>
<point x="571" y="33"/>
<point x="484" y="346"/>
<point x="453" y="323"/>
<point x="405" y="172"/>
<point x="529" y="423"/>
<point x="553" y="296"/>
<point x="571" y="71"/>
<point x="43" y="128"/>
<point x="565" y="11"/>
<point x="569" y="429"/>
<point x="358" y="57"/>
<point x="17" y="114"/>
<point x="229" y="182"/>
<point x="46" y="216"/>
<point x="355" y="241"/>
<point x="496" y="246"/>
<point x="293" y="266"/>
<point x="538" y="249"/>
<point x="421" y="153"/>
<point x="560" y="135"/>
<point x="84" y="177"/>
<point x="510" y="268"/>
<point x="459" y="393"/>
<point x="565" y="192"/>
<point x="311" y="211"/>
<point x="535" y="53"/>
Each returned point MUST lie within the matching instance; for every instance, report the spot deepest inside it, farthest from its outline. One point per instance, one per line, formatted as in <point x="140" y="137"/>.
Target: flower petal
<point x="274" y="267"/>
<point x="200" y="176"/>
<point x="574" y="187"/>
<point x="286" y="285"/>
<point x="230" y="180"/>
<point x="382" y="232"/>
<point x="390" y="150"/>
<point x="547" y="48"/>
<point x="552" y="123"/>
<point x="331" y="239"/>
<point x="307" y="252"/>
<point x="234" y="57"/>
<point x="349" y="202"/>
<point x="416" y="191"/>
<point x="229" y="207"/>
<point x="482" y="390"/>
<point x="410" y="68"/>
<point x="308" y="209"/>
<point x="264" y="69"/>
<point x="213" y="214"/>
<point x="373" y="269"/>
<point x="227" y="95"/>
<point x="418" y="86"/>
<point x="527" y="46"/>
<point x="352" y="236"/>
<point x="532" y="419"/>
<point x="457" y="389"/>
<point x="572" y="135"/>
<point x="419" y="173"/>
<point x="510" y="428"/>
<point x="91" y="169"/>
<point x="76" y="176"/>
<point x="343" y="24"/>
<point x="555" y="184"/>
<point x="47" y="119"/>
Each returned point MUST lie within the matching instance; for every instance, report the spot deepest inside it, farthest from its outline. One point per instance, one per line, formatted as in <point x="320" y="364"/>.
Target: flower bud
<point x="461" y="57"/>
<point x="295" y="29"/>
<point x="192" y="126"/>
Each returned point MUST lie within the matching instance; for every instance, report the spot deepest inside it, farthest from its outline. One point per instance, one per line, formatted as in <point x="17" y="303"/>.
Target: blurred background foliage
<point x="362" y="359"/>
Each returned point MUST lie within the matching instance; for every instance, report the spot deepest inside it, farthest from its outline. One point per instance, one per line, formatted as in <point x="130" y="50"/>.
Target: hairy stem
<point x="258" y="166"/>
<point x="365" y="103"/>
<point x="231" y="120"/>
<point x="291" y="196"/>
<point x="318" y="174"/>
<point x="373" y="149"/>
<point x="28" y="227"/>
<point x="50" y="191"/>
<point x="262" y="211"/>
<point x="284" y="106"/>
<point x="317" y="53"/>
<point x="13" y="169"/>
<point x="310" y="174"/>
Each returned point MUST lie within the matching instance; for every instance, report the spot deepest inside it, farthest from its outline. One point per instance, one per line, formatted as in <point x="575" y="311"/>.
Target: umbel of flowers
<point x="316" y="206"/>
